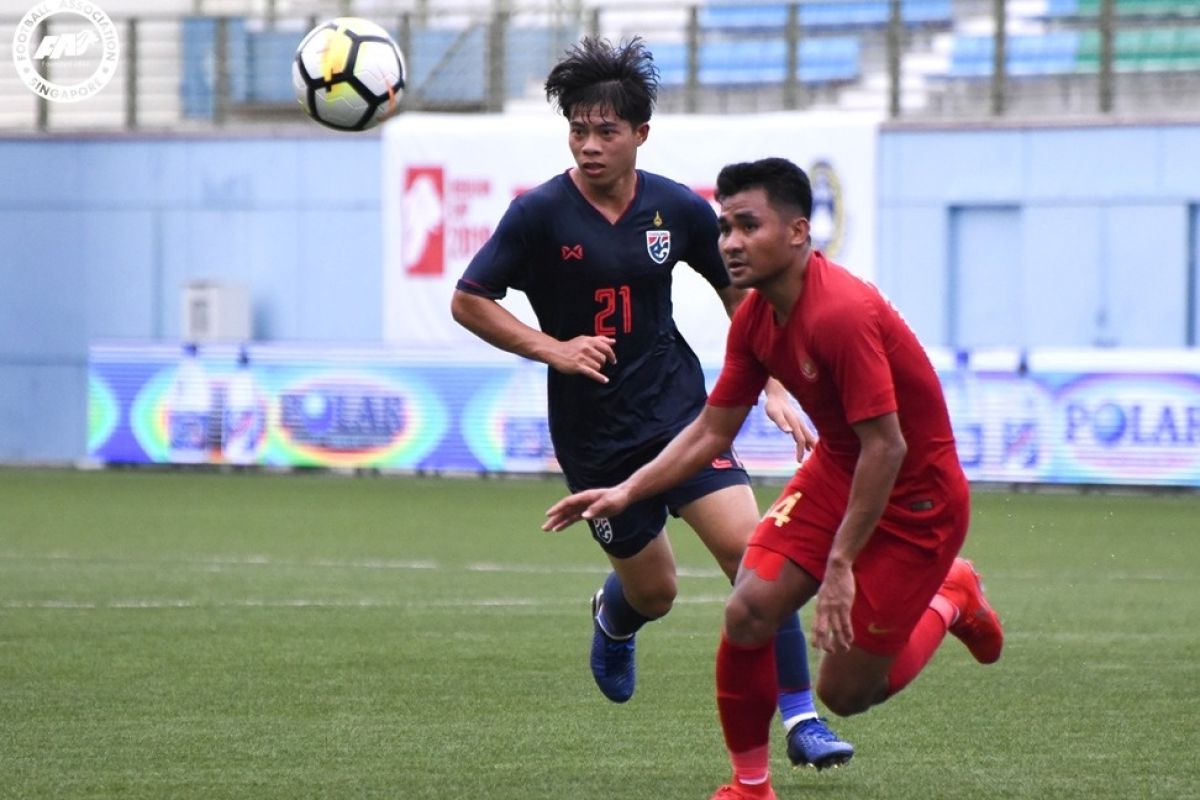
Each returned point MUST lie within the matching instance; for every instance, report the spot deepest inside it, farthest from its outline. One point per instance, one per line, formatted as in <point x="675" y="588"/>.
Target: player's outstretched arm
<point x="496" y="325"/>
<point x="709" y="435"/>
<point x="780" y="410"/>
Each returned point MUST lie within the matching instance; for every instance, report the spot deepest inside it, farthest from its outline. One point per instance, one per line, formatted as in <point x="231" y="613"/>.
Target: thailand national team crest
<point x="658" y="245"/>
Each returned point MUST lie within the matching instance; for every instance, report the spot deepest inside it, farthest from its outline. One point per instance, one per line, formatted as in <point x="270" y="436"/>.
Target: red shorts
<point x="903" y="564"/>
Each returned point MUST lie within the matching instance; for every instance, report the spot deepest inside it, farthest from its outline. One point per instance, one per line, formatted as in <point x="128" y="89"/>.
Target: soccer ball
<point x="348" y="74"/>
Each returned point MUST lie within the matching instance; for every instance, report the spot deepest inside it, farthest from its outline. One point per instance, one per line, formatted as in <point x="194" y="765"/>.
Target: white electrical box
<point x="216" y="312"/>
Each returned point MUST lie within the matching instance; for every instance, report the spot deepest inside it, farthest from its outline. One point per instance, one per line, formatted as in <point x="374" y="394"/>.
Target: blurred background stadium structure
<point x="212" y="62"/>
<point x="1020" y="177"/>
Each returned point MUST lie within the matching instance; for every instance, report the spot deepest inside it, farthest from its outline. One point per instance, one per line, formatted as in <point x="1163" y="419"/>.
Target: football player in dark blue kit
<point x="593" y="249"/>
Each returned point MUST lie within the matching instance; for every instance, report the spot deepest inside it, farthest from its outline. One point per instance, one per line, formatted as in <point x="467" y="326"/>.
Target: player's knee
<point x="654" y="601"/>
<point x="747" y="623"/>
<point x="846" y="699"/>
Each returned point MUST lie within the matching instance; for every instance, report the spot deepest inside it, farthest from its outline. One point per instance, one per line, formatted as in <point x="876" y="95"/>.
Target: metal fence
<point x="211" y="65"/>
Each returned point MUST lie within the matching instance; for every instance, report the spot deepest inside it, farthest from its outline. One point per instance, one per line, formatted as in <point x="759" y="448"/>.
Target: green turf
<point x="181" y="635"/>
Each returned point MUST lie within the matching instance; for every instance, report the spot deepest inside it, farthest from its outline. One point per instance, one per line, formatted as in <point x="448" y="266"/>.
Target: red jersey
<point x="848" y="356"/>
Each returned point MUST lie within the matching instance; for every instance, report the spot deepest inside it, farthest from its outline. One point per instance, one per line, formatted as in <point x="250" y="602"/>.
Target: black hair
<point x="595" y="74"/>
<point x="785" y="183"/>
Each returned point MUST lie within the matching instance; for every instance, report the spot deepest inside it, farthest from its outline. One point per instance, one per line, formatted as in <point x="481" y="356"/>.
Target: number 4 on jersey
<point x="781" y="512"/>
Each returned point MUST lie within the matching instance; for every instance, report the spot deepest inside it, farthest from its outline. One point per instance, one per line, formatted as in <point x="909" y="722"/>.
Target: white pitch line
<point x="165" y="603"/>
<point x="327" y="563"/>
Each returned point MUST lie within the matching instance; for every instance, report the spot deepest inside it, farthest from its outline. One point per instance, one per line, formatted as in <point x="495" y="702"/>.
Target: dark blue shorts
<point x="626" y="534"/>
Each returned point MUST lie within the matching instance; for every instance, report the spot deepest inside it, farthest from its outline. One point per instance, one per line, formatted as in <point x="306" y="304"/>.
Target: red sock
<point x="921" y="644"/>
<point x="746" y="694"/>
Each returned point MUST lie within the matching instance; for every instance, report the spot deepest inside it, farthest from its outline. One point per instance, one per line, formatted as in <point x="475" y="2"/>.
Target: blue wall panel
<point x="1181" y="167"/>
<point x="913" y="241"/>
<point x="101" y="235"/>
<point x="119" y="288"/>
<point x="985" y="307"/>
<point x="1102" y="249"/>
<point x="1093" y="163"/>
<point x="43" y="409"/>
<point x="951" y="167"/>
<point x="1062" y="296"/>
<point x="1146" y="268"/>
<point x="337" y="300"/>
<point x="42" y="304"/>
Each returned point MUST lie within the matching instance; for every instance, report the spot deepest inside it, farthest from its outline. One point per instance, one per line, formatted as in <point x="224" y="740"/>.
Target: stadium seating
<point x="1049" y="54"/>
<point x="198" y="81"/>
<point x="1124" y="8"/>
<point x="1144" y="50"/>
<point x="1070" y="52"/>
<point x="446" y="65"/>
<point x="269" y="75"/>
<point x="757" y="62"/>
<point x="823" y="15"/>
<point x="742" y="47"/>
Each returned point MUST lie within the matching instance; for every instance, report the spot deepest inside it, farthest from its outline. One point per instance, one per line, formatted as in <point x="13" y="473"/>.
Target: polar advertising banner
<point x="1043" y="417"/>
<point x="448" y="180"/>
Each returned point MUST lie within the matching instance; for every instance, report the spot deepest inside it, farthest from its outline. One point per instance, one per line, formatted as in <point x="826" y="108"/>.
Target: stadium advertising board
<point x="1036" y="420"/>
<point x="446" y="185"/>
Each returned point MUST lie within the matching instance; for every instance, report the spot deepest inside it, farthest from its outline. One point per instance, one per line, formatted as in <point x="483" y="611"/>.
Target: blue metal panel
<point x="44" y="409"/>
<point x="1097" y="164"/>
<point x="118" y="279"/>
<point x="338" y="171"/>
<point x="1059" y="257"/>
<point x="966" y="168"/>
<point x="1192" y="338"/>
<point x="245" y="174"/>
<point x="1145" y="270"/>
<point x="986" y="306"/>
<point x="42" y="301"/>
<point x="1179" y="167"/>
<point x="337" y="281"/>
<point x="911" y="267"/>
<point x="40" y="174"/>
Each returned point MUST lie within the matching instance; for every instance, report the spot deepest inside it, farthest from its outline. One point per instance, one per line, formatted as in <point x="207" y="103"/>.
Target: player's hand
<point x="584" y="355"/>
<point x="831" y="620"/>
<point x="588" y="504"/>
<point x="780" y="410"/>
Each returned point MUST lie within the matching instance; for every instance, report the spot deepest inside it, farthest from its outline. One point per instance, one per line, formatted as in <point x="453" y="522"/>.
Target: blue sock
<point x="619" y="619"/>
<point x="791" y="664"/>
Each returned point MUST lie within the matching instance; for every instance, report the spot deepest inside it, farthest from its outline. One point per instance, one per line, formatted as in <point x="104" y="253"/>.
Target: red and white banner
<point x="449" y="178"/>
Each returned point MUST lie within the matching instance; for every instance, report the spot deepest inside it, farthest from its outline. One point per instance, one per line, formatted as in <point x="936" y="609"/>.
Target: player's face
<point x="757" y="243"/>
<point x="604" y="145"/>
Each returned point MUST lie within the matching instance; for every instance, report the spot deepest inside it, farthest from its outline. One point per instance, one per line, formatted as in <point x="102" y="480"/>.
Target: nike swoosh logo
<point x="877" y="630"/>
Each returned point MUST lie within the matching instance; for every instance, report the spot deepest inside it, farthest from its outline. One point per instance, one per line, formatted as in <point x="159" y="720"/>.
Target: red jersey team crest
<point x="658" y="245"/>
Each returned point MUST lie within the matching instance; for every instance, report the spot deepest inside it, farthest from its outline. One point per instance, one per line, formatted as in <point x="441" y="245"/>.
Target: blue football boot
<point x="810" y="743"/>
<point x="613" y="664"/>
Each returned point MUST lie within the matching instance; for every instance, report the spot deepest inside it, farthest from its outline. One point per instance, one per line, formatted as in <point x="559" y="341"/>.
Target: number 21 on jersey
<point x="613" y="301"/>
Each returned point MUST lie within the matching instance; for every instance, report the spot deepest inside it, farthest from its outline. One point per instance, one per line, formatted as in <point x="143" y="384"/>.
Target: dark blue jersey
<point x="585" y="276"/>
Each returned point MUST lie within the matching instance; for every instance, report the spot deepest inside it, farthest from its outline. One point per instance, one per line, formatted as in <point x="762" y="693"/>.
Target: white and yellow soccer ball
<point x="349" y="74"/>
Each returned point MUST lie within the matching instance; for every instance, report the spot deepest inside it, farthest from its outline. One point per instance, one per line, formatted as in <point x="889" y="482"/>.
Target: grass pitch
<point x="184" y="635"/>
